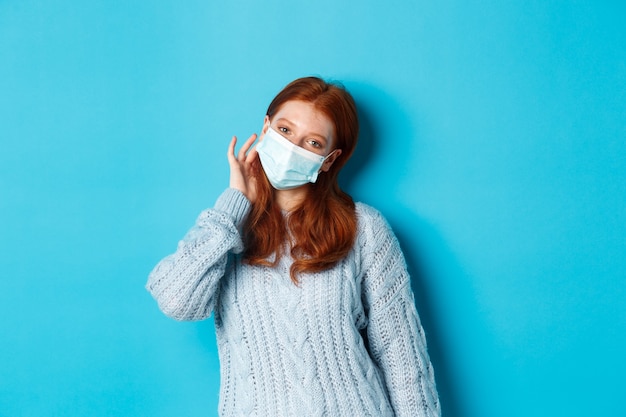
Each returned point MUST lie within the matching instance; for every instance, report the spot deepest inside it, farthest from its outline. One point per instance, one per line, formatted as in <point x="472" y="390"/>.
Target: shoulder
<point x="373" y="231"/>
<point x="365" y="210"/>
<point x="370" y="221"/>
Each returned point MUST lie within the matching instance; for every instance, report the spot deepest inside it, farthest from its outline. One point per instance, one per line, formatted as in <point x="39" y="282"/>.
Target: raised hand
<point x="241" y="168"/>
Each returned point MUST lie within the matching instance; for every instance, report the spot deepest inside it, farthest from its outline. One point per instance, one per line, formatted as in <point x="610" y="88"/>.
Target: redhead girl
<point x="312" y="302"/>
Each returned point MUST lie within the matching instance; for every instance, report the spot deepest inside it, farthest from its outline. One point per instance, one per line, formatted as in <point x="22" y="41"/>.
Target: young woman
<point x="312" y="302"/>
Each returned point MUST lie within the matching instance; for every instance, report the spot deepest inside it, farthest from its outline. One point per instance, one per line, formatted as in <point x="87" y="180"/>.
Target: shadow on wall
<point x="378" y="112"/>
<point x="413" y="241"/>
<point x="367" y="132"/>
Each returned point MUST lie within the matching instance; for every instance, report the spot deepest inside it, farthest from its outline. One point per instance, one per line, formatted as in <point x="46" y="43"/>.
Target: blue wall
<point x="494" y="140"/>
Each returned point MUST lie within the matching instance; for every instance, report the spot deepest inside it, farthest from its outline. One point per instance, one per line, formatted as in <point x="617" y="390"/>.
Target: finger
<point x="231" y="149"/>
<point x="246" y="146"/>
<point x="251" y="156"/>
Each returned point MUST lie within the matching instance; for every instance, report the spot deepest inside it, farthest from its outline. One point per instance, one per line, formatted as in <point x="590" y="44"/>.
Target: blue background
<point x="494" y="141"/>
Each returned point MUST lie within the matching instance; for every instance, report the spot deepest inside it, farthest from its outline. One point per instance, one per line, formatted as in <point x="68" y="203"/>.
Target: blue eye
<point x="315" y="143"/>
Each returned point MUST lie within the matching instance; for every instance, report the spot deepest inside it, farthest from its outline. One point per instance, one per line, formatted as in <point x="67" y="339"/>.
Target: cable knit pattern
<point x="345" y="342"/>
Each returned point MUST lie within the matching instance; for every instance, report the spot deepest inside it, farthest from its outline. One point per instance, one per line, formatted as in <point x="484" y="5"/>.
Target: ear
<point x="266" y="125"/>
<point x="330" y="159"/>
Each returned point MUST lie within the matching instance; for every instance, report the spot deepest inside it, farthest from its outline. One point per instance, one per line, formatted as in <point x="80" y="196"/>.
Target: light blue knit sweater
<point x="345" y="342"/>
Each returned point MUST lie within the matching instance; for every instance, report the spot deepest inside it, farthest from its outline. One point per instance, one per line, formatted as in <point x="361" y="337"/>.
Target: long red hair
<point x="321" y="230"/>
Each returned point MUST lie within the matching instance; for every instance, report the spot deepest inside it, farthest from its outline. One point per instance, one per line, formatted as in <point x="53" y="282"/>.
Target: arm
<point x="185" y="283"/>
<point x="395" y="335"/>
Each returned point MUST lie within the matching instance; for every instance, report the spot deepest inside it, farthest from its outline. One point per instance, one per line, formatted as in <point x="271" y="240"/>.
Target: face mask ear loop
<point x="329" y="155"/>
<point x="325" y="158"/>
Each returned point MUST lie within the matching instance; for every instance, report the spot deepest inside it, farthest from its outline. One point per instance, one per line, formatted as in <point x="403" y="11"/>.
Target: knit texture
<point x="345" y="342"/>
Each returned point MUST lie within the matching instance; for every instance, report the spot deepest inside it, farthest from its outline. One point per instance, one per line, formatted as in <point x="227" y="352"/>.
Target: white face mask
<point x="287" y="165"/>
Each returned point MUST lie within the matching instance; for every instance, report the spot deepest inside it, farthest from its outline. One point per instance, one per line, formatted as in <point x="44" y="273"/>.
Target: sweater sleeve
<point x="185" y="283"/>
<point x="395" y="335"/>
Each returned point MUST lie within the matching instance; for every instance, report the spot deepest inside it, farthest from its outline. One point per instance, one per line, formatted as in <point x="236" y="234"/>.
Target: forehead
<point x="306" y="117"/>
